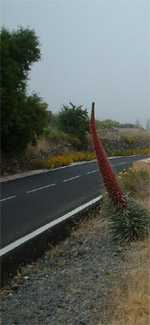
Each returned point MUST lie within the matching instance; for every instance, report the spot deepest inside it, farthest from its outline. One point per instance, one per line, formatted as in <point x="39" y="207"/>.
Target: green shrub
<point x="74" y="121"/>
<point x="39" y="164"/>
<point x="55" y="135"/>
<point x="128" y="224"/>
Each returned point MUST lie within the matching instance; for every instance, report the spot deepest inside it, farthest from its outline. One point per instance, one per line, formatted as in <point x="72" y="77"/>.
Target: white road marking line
<point x="92" y="171"/>
<point x="49" y="225"/>
<point x="70" y="179"/>
<point x="8" y="198"/>
<point x="116" y="157"/>
<point x="40" y="188"/>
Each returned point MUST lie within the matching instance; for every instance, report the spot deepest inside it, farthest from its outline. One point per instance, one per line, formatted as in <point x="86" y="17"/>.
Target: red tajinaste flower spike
<point x="111" y="183"/>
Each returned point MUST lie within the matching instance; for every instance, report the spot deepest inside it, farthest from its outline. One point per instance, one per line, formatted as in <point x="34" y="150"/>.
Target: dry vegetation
<point x="132" y="299"/>
<point x="62" y="160"/>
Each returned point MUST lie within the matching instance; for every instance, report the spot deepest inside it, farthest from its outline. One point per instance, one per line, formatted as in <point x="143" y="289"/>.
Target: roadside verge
<point x="8" y="178"/>
<point x="32" y="246"/>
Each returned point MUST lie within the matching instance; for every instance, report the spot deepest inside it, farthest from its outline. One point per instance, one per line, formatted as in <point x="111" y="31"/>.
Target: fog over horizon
<point x="91" y="51"/>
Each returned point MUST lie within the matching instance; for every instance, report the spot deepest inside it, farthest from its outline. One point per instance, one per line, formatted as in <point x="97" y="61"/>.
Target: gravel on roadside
<point x="72" y="284"/>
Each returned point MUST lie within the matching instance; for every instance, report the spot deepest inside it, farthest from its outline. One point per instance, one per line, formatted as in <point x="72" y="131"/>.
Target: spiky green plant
<point x="130" y="224"/>
<point x="128" y="219"/>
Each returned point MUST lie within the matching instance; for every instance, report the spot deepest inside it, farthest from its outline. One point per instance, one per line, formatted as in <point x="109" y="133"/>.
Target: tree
<point x="74" y="121"/>
<point x="23" y="117"/>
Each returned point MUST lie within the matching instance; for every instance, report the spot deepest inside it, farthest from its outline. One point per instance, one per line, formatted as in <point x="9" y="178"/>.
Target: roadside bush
<point x="37" y="151"/>
<point x="67" y="159"/>
<point x="55" y="135"/>
<point x="75" y="142"/>
<point x="74" y="121"/>
<point x="62" y="160"/>
<point x="136" y="138"/>
<point x="128" y="224"/>
<point x="81" y="156"/>
<point x="130" y="152"/>
<point x="58" y="161"/>
<point x="39" y="164"/>
<point x="136" y="182"/>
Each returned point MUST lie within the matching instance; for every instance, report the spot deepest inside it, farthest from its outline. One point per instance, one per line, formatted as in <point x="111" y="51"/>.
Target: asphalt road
<point x="31" y="202"/>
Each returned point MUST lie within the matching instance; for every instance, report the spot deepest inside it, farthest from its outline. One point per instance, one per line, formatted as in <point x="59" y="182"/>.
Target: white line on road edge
<point x="70" y="179"/>
<point x="8" y="198"/>
<point x="40" y="188"/>
<point x="92" y="171"/>
<point x="49" y="225"/>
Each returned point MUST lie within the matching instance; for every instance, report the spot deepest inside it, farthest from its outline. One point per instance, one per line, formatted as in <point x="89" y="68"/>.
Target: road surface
<point x="31" y="202"/>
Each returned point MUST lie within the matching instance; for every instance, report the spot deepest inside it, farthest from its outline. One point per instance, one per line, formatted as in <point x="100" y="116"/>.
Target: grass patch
<point x="132" y="299"/>
<point x="136" y="182"/>
<point x="132" y="151"/>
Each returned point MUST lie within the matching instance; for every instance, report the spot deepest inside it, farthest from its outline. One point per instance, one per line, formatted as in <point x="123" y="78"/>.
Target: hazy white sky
<point x="91" y="50"/>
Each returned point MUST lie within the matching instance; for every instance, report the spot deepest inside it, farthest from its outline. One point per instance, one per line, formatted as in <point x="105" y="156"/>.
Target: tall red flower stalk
<point x="111" y="183"/>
